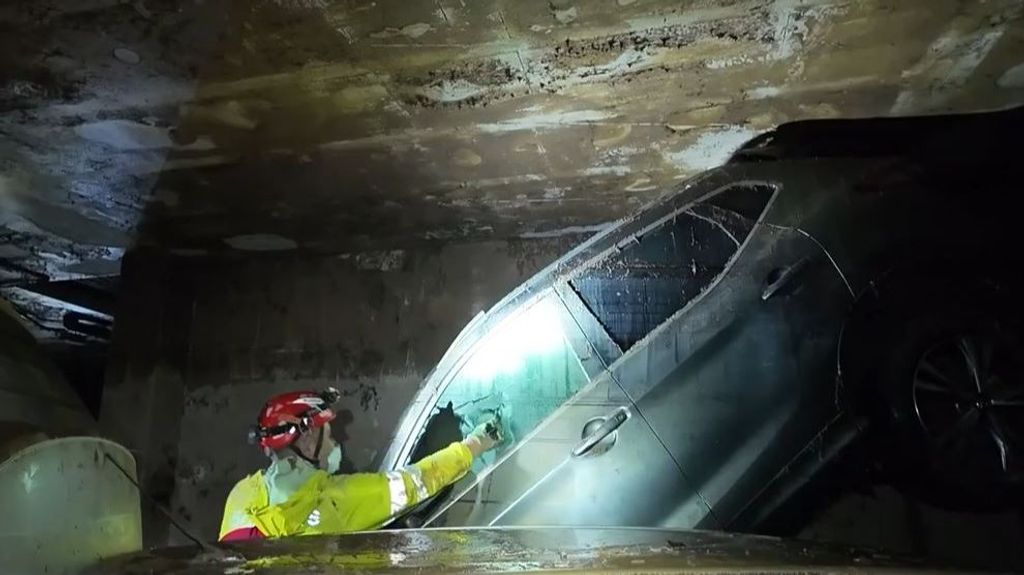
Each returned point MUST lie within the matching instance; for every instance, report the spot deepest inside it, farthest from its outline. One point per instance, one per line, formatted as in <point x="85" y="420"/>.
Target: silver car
<point x="690" y="366"/>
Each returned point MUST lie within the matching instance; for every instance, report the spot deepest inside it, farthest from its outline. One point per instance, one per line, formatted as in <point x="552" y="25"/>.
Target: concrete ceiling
<point x="339" y="126"/>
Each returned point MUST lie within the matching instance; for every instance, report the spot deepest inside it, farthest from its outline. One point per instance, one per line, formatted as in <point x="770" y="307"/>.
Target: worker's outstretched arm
<point x="425" y="478"/>
<point x="368" y="500"/>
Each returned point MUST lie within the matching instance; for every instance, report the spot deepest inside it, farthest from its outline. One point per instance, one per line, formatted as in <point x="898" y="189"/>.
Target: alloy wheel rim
<point x="969" y="401"/>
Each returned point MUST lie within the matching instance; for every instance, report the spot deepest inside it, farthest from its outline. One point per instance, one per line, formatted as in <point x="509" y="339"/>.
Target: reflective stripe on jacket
<point x="328" y="504"/>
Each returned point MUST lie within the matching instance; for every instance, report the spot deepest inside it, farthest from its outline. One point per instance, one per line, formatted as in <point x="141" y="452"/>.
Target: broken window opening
<point x="521" y="371"/>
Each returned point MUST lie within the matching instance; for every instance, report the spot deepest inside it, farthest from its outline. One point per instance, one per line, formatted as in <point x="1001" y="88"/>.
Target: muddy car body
<point x="698" y="363"/>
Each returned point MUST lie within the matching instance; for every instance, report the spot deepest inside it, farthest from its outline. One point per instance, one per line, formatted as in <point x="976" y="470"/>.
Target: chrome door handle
<point x="779" y="278"/>
<point x="610" y="424"/>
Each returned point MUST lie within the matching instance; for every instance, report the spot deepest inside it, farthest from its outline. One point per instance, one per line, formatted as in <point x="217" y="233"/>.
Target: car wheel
<point x="948" y="384"/>
<point x="967" y="400"/>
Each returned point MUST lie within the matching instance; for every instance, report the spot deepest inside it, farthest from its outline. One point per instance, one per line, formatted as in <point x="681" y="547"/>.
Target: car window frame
<point x="590" y="361"/>
<point x="613" y="359"/>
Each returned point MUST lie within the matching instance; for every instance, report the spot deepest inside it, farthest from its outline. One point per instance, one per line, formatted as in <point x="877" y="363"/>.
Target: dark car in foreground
<point x="515" y="550"/>
<point x="699" y="363"/>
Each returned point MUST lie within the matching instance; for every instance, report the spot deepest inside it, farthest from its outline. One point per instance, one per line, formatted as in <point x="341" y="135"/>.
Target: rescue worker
<point x="300" y="493"/>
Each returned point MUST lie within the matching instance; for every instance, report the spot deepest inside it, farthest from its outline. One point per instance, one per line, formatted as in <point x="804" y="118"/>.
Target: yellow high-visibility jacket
<point x="328" y="504"/>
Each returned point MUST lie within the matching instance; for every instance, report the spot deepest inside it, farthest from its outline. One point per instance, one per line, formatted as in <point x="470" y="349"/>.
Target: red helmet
<point x="284" y="417"/>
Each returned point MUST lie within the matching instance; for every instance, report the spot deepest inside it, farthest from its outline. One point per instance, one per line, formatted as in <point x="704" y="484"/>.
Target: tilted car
<point x="698" y="363"/>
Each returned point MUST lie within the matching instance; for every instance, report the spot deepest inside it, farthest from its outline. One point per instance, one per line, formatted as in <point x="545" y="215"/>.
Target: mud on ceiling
<point x="339" y="126"/>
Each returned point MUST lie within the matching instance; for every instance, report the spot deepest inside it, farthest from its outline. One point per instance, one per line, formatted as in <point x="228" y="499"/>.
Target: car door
<point x="729" y="324"/>
<point x="540" y="372"/>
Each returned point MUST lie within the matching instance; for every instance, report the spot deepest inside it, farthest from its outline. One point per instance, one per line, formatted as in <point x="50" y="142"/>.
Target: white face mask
<point x="334" y="460"/>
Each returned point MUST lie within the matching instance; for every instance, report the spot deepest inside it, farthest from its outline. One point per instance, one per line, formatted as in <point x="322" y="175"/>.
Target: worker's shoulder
<point x="249" y="487"/>
<point x="254" y="477"/>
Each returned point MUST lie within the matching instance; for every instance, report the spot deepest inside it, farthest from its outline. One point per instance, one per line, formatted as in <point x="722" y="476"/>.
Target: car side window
<point x="521" y="370"/>
<point x="637" y="288"/>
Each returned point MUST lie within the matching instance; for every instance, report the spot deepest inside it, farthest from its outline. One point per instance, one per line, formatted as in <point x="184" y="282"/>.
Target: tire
<point x="941" y="371"/>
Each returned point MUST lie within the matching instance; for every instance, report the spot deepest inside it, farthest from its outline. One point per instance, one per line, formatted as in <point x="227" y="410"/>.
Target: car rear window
<point x="636" y="289"/>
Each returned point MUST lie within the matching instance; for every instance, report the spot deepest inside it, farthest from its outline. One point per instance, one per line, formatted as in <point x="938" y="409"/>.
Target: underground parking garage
<point x="744" y="267"/>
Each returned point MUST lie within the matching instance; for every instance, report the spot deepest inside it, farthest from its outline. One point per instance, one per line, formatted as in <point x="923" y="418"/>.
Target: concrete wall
<point x="200" y="344"/>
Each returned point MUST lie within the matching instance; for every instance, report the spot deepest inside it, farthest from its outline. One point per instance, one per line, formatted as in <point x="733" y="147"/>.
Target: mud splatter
<point x="1012" y="78"/>
<point x="465" y="84"/>
<point x="567" y="16"/>
<point x="125" y="135"/>
<point x="410" y="31"/>
<point x="711" y="148"/>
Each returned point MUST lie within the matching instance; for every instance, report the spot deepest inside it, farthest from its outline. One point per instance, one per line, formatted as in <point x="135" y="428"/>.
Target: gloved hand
<point x="484" y="438"/>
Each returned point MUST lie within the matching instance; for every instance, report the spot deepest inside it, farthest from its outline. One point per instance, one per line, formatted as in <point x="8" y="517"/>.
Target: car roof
<point x="939" y="136"/>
